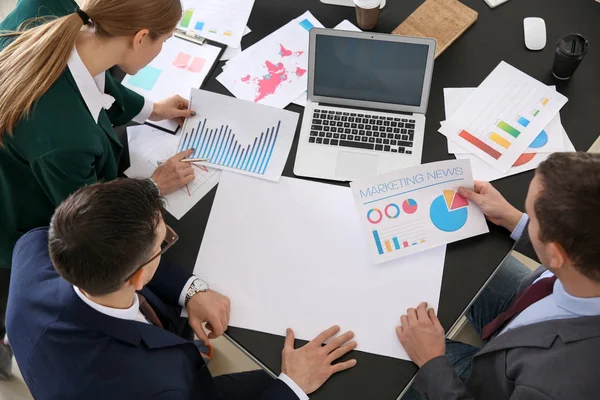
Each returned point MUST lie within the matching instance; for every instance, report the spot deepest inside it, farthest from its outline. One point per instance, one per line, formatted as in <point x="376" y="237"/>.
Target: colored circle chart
<point x="370" y="216"/>
<point x="410" y="206"/>
<point x="389" y="214"/>
<point x="449" y="211"/>
<point x="539" y="141"/>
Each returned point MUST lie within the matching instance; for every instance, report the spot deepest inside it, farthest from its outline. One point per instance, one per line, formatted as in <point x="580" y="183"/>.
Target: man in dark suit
<point x="541" y="329"/>
<point x="93" y="313"/>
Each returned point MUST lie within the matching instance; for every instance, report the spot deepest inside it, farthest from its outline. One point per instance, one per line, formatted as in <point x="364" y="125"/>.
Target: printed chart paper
<point x="231" y="52"/>
<point x="238" y="135"/>
<point x="272" y="71"/>
<point x="553" y="138"/>
<point x="223" y="21"/>
<point x="148" y="146"/>
<point x="416" y="209"/>
<point x="504" y="116"/>
<point x="283" y="251"/>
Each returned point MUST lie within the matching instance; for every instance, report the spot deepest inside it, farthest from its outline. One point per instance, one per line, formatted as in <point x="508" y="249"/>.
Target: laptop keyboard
<point x="362" y="131"/>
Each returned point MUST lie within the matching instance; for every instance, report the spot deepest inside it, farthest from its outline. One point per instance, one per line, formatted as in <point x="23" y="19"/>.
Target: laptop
<point x="367" y="97"/>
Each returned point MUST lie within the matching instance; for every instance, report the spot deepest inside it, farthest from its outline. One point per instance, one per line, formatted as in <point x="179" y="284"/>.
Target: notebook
<point x="443" y="20"/>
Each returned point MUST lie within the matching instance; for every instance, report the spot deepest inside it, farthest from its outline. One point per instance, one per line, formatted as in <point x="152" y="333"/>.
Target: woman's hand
<point x="173" y="174"/>
<point x="174" y="107"/>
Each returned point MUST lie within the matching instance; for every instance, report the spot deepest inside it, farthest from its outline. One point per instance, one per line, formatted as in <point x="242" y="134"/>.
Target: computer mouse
<point x="535" y="33"/>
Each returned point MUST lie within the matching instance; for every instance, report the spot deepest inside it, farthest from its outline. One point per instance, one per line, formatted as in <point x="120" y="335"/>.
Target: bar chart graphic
<point x="221" y="147"/>
<point x="399" y="236"/>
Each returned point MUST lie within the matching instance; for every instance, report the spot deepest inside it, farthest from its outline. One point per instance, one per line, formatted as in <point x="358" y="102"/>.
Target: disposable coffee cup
<point x="570" y="50"/>
<point x="367" y="13"/>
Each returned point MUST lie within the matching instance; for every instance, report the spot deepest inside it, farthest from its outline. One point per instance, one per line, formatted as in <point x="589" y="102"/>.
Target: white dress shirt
<point x="133" y="314"/>
<point x="558" y="305"/>
<point x="92" y="90"/>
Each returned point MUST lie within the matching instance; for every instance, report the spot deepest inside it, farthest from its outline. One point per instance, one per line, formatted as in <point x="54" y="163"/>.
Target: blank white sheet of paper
<point x="293" y="255"/>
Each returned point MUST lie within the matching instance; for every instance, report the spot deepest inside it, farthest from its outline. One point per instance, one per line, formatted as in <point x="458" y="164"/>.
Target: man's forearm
<point x="437" y="380"/>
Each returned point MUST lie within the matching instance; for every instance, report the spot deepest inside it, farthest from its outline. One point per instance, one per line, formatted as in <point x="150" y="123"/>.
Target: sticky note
<point x="199" y="26"/>
<point x="182" y="60"/>
<point x="145" y="78"/>
<point x="197" y="64"/>
<point x="306" y="24"/>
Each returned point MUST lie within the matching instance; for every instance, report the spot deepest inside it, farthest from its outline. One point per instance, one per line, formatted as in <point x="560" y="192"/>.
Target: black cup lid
<point x="572" y="45"/>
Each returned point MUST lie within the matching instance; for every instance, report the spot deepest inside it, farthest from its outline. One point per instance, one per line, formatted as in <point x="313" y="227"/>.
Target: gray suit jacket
<point x="557" y="359"/>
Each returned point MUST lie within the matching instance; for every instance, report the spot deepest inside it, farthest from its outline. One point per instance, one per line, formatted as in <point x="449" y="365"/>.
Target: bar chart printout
<point x="504" y="115"/>
<point x="238" y="135"/>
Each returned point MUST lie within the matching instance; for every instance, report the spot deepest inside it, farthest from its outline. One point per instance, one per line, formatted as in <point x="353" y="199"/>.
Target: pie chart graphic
<point x="410" y="206"/>
<point x="449" y="211"/>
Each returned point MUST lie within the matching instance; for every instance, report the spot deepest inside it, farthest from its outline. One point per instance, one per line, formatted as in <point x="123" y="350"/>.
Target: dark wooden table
<point x="496" y="36"/>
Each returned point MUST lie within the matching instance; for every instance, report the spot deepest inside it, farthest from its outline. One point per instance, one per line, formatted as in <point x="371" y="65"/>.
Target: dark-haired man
<point x="542" y="329"/>
<point x="94" y="314"/>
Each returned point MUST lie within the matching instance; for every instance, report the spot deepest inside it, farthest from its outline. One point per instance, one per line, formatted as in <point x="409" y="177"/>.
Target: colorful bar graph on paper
<point x="495" y="154"/>
<point x="536" y="112"/>
<point x="392" y="244"/>
<point x="508" y="129"/>
<point x="377" y="242"/>
<point x="187" y="18"/>
<point x="221" y="147"/>
<point x="523" y="121"/>
<point x="500" y="140"/>
<point x="545" y="101"/>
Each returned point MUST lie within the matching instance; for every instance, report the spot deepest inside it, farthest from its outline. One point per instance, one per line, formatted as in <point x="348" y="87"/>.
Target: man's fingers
<point x="340" y="351"/>
<point x="422" y="312"/>
<point x="468" y="194"/>
<point x="289" y="339"/>
<point x="404" y="321"/>
<point x="342" y="366"/>
<point x="412" y="316"/>
<point x="338" y="341"/>
<point x="399" y="332"/>
<point x="217" y="326"/>
<point x="323" y="336"/>
<point x="187" y="179"/>
<point x="199" y="331"/>
<point x="434" y="319"/>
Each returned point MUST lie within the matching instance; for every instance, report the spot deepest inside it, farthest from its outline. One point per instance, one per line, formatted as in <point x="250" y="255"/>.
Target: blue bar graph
<point x="523" y="121"/>
<point x="220" y="147"/>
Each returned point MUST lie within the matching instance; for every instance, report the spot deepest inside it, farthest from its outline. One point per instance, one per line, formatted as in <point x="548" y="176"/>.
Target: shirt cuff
<point x="186" y="287"/>
<point x="292" y="385"/>
<point x="145" y="113"/>
<point x="518" y="231"/>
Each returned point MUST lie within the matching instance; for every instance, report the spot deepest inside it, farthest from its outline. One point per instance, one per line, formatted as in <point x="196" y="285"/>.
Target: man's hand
<point x="421" y="335"/>
<point x="173" y="174"/>
<point x="174" y="107"/>
<point x="494" y="206"/>
<point x="212" y="308"/>
<point x="310" y="365"/>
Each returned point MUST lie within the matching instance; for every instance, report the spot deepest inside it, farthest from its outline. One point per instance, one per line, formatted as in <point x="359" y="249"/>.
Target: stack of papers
<point x="508" y="125"/>
<point x="274" y="70"/>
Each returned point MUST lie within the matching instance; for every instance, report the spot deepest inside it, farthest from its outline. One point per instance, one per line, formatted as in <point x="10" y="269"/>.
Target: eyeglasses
<point x="170" y="238"/>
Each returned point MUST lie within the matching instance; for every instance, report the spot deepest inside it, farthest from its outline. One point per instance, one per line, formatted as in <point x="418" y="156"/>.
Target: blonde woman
<point x="58" y="103"/>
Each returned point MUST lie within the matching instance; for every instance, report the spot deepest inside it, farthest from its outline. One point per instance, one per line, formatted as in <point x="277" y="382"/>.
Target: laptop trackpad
<point x="354" y="166"/>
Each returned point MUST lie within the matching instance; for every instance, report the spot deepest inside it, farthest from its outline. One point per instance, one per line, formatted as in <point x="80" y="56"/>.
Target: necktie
<point x="148" y="312"/>
<point x="527" y="297"/>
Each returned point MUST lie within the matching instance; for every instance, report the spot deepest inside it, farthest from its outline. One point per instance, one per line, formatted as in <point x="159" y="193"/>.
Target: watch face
<point x="200" y="285"/>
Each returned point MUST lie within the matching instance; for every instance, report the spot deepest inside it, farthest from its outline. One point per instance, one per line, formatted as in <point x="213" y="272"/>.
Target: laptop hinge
<point x="365" y="108"/>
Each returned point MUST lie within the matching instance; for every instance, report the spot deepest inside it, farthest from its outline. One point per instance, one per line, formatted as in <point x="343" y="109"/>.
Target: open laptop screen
<point x="370" y="70"/>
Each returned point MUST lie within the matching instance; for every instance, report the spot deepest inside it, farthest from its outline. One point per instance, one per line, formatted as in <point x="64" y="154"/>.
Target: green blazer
<point x="59" y="147"/>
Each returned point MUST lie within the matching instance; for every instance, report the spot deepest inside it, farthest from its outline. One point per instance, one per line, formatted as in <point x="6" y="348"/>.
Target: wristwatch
<point x="197" y="286"/>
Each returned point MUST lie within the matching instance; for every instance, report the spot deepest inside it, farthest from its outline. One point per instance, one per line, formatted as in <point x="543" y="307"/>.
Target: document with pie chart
<point x="417" y="208"/>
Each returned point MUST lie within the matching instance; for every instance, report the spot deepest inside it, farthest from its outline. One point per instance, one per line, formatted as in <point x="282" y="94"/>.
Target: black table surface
<point x="497" y="35"/>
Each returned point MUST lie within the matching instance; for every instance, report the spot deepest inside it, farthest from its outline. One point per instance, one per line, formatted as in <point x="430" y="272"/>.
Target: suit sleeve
<point x="62" y="172"/>
<point x="279" y="391"/>
<point x="128" y="104"/>
<point x="437" y="380"/>
<point x="168" y="281"/>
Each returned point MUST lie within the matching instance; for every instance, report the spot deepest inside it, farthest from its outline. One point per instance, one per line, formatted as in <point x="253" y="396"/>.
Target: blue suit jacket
<point x="67" y="350"/>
